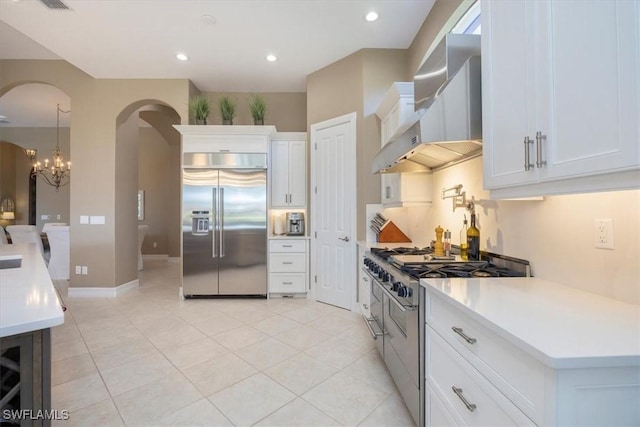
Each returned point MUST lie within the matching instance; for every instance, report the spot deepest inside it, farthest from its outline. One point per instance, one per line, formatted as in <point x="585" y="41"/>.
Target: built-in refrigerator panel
<point x="224" y="224"/>
<point x="243" y="225"/>
<point x="199" y="265"/>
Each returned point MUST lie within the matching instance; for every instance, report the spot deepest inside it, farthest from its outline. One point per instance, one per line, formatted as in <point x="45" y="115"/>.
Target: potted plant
<point x="200" y="108"/>
<point x="258" y="108"/>
<point x="227" y="107"/>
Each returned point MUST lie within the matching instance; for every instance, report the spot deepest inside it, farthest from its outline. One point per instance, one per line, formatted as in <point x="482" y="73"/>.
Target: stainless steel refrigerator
<point x="224" y="224"/>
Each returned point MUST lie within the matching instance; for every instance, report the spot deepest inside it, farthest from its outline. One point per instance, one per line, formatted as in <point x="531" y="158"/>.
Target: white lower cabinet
<point x="288" y="270"/>
<point x="476" y="376"/>
<point x="464" y="390"/>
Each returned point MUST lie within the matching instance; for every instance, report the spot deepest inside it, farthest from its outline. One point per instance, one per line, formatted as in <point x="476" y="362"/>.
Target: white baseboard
<point x="103" y="292"/>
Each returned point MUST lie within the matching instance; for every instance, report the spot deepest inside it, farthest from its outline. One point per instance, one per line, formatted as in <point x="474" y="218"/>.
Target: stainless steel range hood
<point x="447" y="126"/>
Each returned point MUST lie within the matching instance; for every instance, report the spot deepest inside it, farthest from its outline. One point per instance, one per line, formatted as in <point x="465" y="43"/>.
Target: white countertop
<point x="28" y="300"/>
<point x="285" y="237"/>
<point x="561" y="326"/>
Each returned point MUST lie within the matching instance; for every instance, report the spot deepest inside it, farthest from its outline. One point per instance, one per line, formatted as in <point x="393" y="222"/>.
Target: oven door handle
<point x="368" y="322"/>
<point x="392" y="298"/>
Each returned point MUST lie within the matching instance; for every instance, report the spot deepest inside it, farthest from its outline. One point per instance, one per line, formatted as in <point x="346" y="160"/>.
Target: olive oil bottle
<point x="463" y="240"/>
<point x="473" y="240"/>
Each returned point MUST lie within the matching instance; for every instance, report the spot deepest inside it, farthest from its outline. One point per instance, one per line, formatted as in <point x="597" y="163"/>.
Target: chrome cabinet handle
<point x="463" y="335"/>
<point x="527" y="157"/>
<point x="344" y="239"/>
<point x="539" y="138"/>
<point x="287" y="283"/>
<point x="458" y="391"/>
<point x="287" y="262"/>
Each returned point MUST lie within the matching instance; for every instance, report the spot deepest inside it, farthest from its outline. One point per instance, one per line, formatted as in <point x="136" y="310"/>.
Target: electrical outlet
<point x="603" y="233"/>
<point x="78" y="269"/>
<point x="85" y="270"/>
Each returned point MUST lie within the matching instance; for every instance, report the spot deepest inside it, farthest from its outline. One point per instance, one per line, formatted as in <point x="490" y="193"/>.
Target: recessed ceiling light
<point x="371" y="16"/>
<point x="271" y="58"/>
<point x="182" y="57"/>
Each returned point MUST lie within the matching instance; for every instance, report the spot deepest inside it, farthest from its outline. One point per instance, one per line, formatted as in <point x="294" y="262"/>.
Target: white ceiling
<point x="140" y="38"/>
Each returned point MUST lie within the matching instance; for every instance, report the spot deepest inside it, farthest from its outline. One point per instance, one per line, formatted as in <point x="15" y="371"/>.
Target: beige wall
<point x="96" y="105"/>
<point x="153" y="165"/>
<point x="48" y="201"/>
<point x="444" y="13"/>
<point x="555" y="235"/>
<point x="287" y="111"/>
<point x="357" y="83"/>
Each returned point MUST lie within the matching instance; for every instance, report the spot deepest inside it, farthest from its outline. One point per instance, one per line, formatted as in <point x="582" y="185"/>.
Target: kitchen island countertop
<point x="561" y="326"/>
<point x="28" y="300"/>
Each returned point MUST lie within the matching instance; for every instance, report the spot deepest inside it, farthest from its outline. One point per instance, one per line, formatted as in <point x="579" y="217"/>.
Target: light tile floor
<point x="148" y="358"/>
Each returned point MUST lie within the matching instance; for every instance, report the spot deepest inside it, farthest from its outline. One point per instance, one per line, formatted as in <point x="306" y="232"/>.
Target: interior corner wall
<point x="8" y="174"/>
<point x="357" y="83"/>
<point x="126" y="194"/>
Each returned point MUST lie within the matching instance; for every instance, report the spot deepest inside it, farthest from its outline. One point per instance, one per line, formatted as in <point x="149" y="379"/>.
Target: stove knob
<point x="402" y="289"/>
<point x="396" y="286"/>
<point x="366" y="262"/>
<point x="385" y="276"/>
<point x="381" y="273"/>
<point x="409" y="292"/>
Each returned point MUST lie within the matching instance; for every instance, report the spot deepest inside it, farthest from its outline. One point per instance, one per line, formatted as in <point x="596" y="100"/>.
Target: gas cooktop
<point x="420" y="263"/>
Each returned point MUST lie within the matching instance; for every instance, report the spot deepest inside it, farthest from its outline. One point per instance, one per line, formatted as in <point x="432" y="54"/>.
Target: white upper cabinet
<point x="566" y="75"/>
<point x="406" y="189"/>
<point x="395" y="108"/>
<point x="288" y="170"/>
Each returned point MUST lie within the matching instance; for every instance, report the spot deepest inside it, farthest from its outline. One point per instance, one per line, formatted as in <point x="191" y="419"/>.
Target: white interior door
<point x="333" y="166"/>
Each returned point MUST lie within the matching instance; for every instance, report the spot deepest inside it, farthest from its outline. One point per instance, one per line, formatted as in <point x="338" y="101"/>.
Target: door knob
<point x="344" y="239"/>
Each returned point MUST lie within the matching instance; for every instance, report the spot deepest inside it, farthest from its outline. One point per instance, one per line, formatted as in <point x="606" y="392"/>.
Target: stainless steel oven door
<point x="376" y="322"/>
<point x="401" y="351"/>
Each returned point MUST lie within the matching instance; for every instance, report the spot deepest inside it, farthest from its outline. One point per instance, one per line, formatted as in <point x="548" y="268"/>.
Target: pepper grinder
<point x="439" y="246"/>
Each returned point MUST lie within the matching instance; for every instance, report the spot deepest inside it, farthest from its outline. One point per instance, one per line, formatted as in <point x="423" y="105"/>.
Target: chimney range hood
<point x="447" y="124"/>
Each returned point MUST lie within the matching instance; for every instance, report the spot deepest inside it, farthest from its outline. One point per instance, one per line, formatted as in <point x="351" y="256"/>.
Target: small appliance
<point x="295" y="223"/>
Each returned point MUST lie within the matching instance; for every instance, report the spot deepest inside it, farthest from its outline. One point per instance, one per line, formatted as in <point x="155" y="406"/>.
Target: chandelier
<point x="57" y="173"/>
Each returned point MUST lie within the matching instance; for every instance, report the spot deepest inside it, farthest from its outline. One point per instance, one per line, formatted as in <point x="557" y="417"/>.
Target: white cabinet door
<point x="508" y="91"/>
<point x="297" y="174"/>
<point x="590" y="106"/>
<point x="279" y="173"/>
<point x="288" y="174"/>
<point x="569" y="70"/>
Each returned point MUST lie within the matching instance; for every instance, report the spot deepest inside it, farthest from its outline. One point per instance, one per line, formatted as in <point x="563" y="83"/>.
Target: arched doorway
<point x="29" y="111"/>
<point x="148" y="153"/>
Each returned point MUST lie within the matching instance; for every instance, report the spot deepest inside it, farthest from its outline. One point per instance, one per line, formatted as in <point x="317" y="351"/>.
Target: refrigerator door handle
<point x="221" y="205"/>
<point x="215" y="223"/>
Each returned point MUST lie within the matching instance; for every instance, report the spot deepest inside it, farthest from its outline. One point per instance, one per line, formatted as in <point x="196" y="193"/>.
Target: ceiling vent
<point x="55" y="4"/>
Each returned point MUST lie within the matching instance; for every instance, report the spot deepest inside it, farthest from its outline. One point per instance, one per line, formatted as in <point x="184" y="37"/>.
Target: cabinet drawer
<point x="287" y="283"/>
<point x="287" y="263"/>
<point x="448" y="370"/>
<point x="287" y="246"/>
<point x="516" y="374"/>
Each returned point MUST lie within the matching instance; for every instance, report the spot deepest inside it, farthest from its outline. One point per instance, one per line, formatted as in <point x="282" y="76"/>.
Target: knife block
<point x="390" y="233"/>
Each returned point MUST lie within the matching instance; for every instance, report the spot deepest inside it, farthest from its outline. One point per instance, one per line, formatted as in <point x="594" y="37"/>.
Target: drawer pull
<point x="463" y="335"/>
<point x="458" y="391"/>
<point x="287" y="262"/>
<point x="287" y="283"/>
<point x="287" y="246"/>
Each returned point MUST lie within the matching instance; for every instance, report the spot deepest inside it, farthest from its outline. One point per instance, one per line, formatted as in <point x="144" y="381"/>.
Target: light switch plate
<point x="97" y="219"/>
<point x="84" y="219"/>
